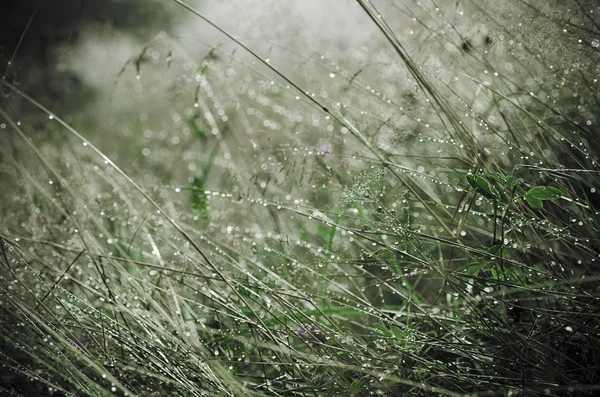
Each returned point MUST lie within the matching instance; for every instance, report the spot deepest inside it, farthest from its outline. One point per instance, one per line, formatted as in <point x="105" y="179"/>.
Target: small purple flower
<point x="310" y="332"/>
<point x="81" y="342"/>
<point x="325" y="149"/>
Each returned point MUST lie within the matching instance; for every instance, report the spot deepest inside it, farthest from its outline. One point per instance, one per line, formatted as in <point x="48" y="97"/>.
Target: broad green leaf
<point x="511" y="181"/>
<point x="400" y="334"/>
<point x="495" y="249"/>
<point x="497" y="273"/>
<point x="536" y="195"/>
<point x="475" y="268"/>
<point x="493" y="177"/>
<point x="534" y="202"/>
<point x="472" y="180"/>
<point x="481" y="185"/>
<point x="386" y="332"/>
<point x="544" y="193"/>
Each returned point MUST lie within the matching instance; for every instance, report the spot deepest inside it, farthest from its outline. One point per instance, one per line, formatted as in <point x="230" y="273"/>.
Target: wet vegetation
<point x="295" y="203"/>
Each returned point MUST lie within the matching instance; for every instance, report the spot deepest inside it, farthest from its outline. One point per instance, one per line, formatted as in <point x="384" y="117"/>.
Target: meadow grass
<point x="420" y="220"/>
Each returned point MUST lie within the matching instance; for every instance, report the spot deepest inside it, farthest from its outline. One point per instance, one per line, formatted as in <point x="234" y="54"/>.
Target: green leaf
<point x="471" y="179"/>
<point x="400" y="334"/>
<point x="475" y="268"/>
<point x="511" y="181"/>
<point x="534" y="202"/>
<point x="493" y="177"/>
<point x="495" y="249"/>
<point x="516" y="273"/>
<point x="481" y="185"/>
<point x="497" y="273"/>
<point x="536" y="195"/>
<point x="544" y="193"/>
<point x="386" y="332"/>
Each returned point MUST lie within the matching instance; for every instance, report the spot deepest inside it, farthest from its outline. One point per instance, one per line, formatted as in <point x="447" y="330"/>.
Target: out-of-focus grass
<point x="431" y="235"/>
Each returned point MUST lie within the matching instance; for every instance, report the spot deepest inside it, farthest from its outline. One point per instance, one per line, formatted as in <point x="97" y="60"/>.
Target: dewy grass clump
<point x="363" y="198"/>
